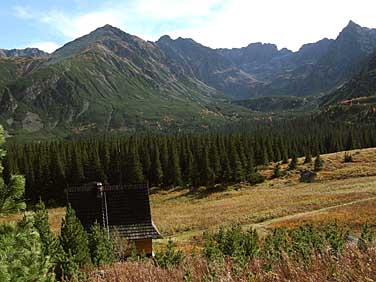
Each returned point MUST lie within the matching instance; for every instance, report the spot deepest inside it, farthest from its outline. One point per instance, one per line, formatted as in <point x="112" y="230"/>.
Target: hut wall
<point x="144" y="246"/>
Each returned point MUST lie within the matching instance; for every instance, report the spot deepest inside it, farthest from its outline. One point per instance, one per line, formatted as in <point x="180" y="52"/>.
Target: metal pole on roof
<point x="106" y="214"/>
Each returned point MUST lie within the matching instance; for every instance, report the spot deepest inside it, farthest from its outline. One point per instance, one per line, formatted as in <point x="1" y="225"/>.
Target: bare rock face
<point x="32" y="122"/>
<point x="28" y="52"/>
<point x="8" y="104"/>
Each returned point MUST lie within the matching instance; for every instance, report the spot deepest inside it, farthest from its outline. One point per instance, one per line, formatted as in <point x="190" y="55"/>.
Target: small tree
<point x="319" y="164"/>
<point x="348" y="158"/>
<point x="21" y="254"/>
<point x="51" y="246"/>
<point x="170" y="257"/>
<point x="74" y="240"/>
<point x="294" y="162"/>
<point x="277" y="171"/>
<point x="11" y="194"/>
<point x="308" y="157"/>
<point x="255" y="178"/>
<point x="366" y="237"/>
<point x="101" y="247"/>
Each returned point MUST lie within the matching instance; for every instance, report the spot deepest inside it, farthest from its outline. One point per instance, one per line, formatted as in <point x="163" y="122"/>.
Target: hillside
<point x="264" y="70"/>
<point x="110" y="80"/>
<point x="340" y="190"/>
<point x="279" y="104"/>
<point x="361" y="89"/>
<point x="107" y="80"/>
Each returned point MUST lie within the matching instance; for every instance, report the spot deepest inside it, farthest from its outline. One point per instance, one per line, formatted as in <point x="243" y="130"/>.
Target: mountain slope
<point x="110" y="80"/>
<point x="208" y="66"/>
<point x="263" y="70"/>
<point x="28" y="52"/>
<point x="358" y="89"/>
<point x="315" y="69"/>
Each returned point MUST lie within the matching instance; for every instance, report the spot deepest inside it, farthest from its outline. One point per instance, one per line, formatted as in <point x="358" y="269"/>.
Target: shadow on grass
<point x="196" y="192"/>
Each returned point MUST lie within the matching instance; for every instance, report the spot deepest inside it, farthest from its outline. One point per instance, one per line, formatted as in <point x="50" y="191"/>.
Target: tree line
<point x="192" y="159"/>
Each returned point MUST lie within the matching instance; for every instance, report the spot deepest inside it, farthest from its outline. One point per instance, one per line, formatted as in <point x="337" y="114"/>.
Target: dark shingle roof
<point x="127" y="206"/>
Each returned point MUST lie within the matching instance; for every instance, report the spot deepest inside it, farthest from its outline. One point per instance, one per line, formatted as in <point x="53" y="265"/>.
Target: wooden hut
<point x="124" y="208"/>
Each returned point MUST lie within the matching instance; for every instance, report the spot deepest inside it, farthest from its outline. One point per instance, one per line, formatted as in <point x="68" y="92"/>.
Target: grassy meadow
<point x="345" y="192"/>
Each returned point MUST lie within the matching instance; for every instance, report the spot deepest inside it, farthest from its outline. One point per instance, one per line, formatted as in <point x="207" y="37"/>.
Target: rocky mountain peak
<point x="27" y="52"/>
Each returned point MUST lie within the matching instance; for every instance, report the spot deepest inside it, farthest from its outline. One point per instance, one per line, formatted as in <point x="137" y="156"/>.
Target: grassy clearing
<point x="55" y="217"/>
<point x="184" y="215"/>
<point x="344" y="191"/>
<point x="353" y="215"/>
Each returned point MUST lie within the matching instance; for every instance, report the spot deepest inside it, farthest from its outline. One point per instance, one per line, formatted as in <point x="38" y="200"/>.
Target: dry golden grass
<point x="352" y="266"/>
<point x="184" y="215"/>
<point x="352" y="215"/>
<point x="55" y="217"/>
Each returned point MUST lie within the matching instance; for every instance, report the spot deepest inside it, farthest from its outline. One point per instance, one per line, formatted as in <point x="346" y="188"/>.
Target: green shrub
<point x="100" y="244"/>
<point x="294" y="162"/>
<point x="319" y="164"/>
<point x="255" y="178"/>
<point x="275" y="244"/>
<point x="74" y="239"/>
<point x="11" y="194"/>
<point x="277" y="171"/>
<point x="22" y="256"/>
<point x="336" y="237"/>
<point x="305" y="241"/>
<point x="232" y="242"/>
<point x="348" y="158"/>
<point x="170" y="257"/>
<point x="366" y="237"/>
<point x="51" y="246"/>
<point x="308" y="158"/>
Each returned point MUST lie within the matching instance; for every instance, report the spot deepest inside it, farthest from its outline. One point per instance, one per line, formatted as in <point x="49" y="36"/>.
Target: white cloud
<point x="217" y="23"/>
<point x="167" y="9"/>
<point x="22" y="13"/>
<point x="75" y="26"/>
<point x="288" y="23"/>
<point x="46" y="46"/>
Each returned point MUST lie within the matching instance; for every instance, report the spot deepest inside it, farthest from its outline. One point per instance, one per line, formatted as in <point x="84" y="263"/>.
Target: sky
<point x="48" y="24"/>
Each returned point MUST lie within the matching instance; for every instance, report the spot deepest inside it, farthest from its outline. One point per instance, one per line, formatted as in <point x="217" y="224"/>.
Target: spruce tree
<point x="308" y="157"/>
<point x="21" y="253"/>
<point x="11" y="194"/>
<point x="57" y="177"/>
<point x="236" y="165"/>
<point x="134" y="171"/>
<point x="74" y="240"/>
<point x="101" y="247"/>
<point x="319" y="164"/>
<point x="190" y="168"/>
<point x="76" y="168"/>
<point x="50" y="244"/>
<point x="156" y="172"/>
<point x="277" y="171"/>
<point x="207" y="174"/>
<point x="174" y="170"/>
<point x="215" y="162"/>
<point x="294" y="162"/>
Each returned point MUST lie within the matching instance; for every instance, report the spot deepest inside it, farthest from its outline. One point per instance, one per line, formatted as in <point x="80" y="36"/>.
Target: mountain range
<point x="111" y="80"/>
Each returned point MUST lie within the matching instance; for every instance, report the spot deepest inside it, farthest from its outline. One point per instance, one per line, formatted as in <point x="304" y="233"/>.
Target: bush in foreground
<point x="352" y="266"/>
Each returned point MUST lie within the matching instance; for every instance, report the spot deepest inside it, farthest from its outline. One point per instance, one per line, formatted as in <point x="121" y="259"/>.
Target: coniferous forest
<point x="191" y="159"/>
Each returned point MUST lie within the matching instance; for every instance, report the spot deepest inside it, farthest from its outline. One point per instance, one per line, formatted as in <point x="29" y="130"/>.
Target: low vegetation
<point x="279" y="229"/>
<point x="232" y="254"/>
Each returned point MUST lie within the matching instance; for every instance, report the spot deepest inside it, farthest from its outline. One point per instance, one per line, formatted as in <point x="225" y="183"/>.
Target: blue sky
<point x="48" y="24"/>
